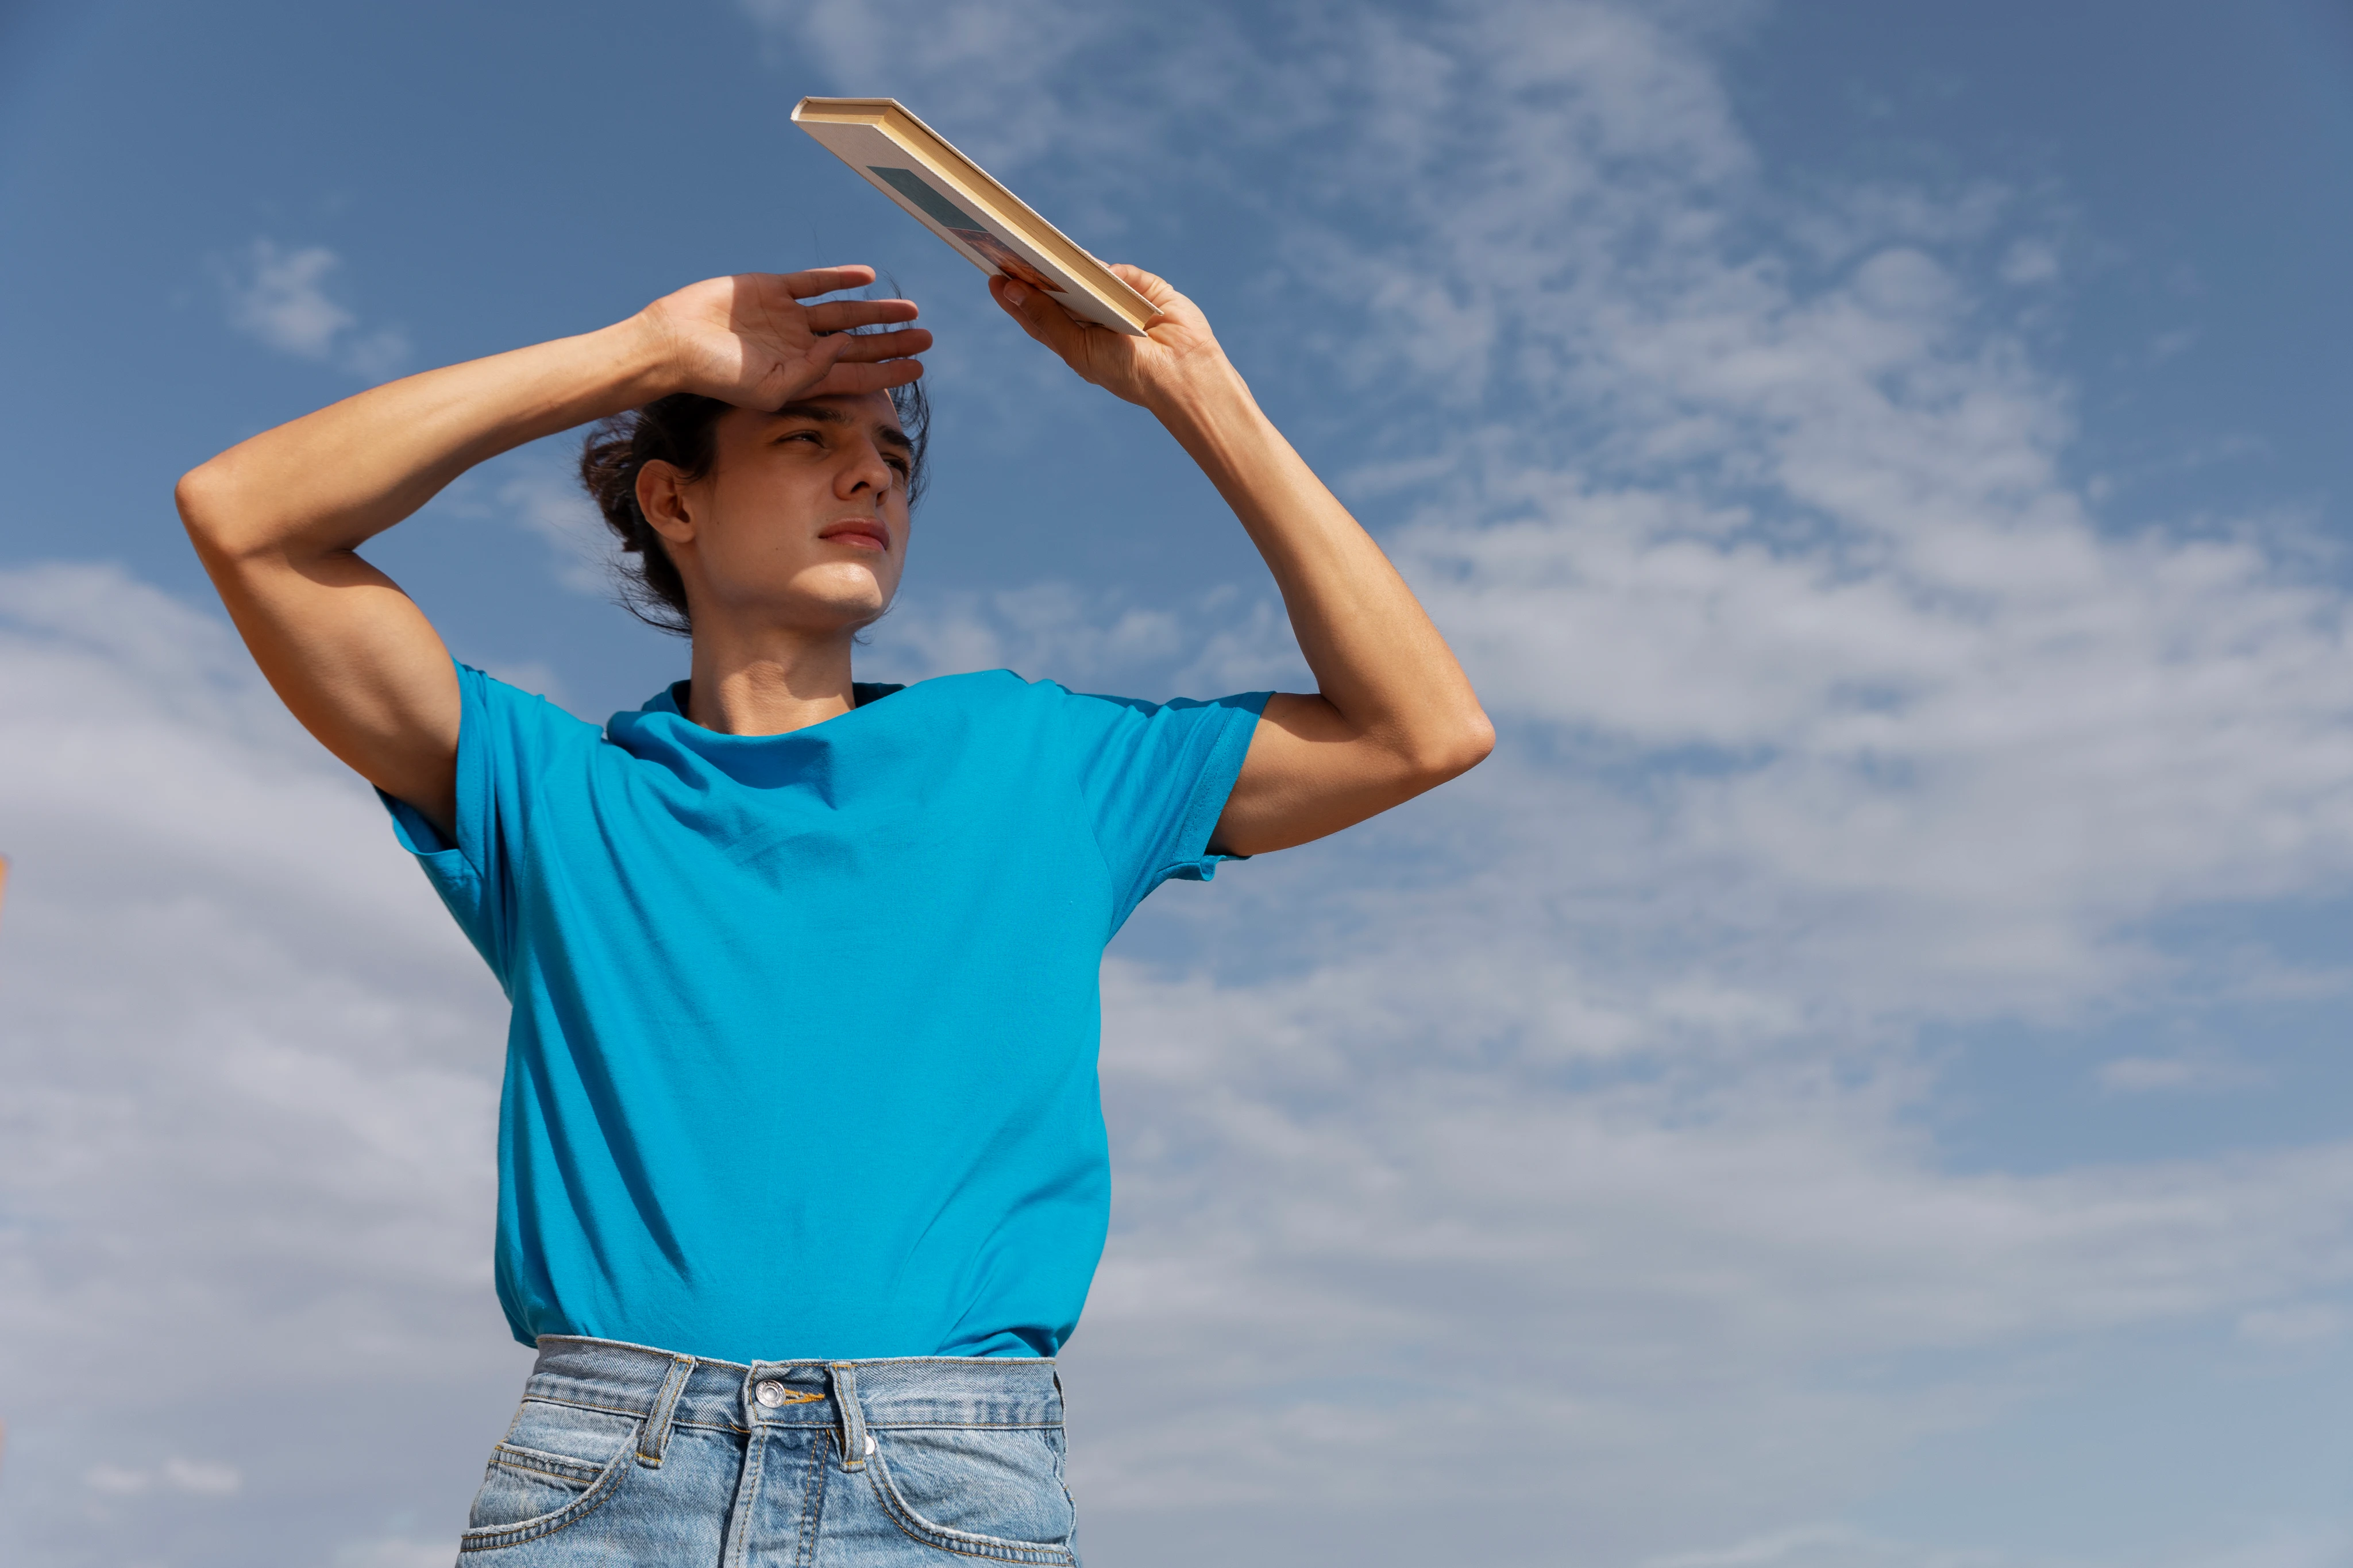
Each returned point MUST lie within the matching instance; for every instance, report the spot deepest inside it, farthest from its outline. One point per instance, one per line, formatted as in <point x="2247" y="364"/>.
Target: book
<point x="954" y="198"/>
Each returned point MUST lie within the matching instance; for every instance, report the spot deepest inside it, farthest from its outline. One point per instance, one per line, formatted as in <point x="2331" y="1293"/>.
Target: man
<point x="802" y="1168"/>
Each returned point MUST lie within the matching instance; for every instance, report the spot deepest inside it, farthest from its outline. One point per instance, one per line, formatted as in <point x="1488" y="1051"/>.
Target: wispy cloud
<point x="549" y="503"/>
<point x="1223" y="640"/>
<point x="196" y="1477"/>
<point x="247" y="1083"/>
<point x="987" y="63"/>
<point x="279" y="297"/>
<point x="2029" y="261"/>
<point x="2181" y="1071"/>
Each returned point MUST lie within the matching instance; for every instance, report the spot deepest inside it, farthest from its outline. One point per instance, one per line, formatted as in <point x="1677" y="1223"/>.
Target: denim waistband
<point x="903" y="1391"/>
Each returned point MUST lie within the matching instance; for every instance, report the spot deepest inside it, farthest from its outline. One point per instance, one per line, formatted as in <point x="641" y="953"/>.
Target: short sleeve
<point x="1154" y="778"/>
<point x="506" y="738"/>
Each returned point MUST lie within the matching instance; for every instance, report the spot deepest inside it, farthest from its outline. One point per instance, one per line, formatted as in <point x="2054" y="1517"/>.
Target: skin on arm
<point x="1394" y="714"/>
<point x="278" y="521"/>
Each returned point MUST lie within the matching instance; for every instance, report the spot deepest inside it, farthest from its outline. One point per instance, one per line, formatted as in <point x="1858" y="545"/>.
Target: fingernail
<point x="1016" y="293"/>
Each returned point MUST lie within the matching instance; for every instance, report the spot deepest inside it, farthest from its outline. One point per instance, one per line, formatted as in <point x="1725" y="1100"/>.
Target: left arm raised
<point x="1394" y="715"/>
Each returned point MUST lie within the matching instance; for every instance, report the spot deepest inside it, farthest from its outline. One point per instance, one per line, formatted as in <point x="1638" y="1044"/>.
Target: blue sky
<point x="1856" y="1082"/>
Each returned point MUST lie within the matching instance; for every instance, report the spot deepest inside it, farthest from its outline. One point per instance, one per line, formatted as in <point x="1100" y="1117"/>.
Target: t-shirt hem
<point x="1215" y="787"/>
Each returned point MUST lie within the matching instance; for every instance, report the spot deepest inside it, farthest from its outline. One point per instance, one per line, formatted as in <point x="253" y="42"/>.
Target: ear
<point x="662" y="496"/>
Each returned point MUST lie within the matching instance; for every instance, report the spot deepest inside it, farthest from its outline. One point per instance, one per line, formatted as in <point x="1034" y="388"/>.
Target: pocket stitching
<point x="963" y="1542"/>
<point x="494" y="1537"/>
<point x="539" y="1462"/>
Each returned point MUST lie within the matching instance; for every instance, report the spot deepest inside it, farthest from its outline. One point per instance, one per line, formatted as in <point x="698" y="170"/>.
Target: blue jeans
<point x="624" y="1455"/>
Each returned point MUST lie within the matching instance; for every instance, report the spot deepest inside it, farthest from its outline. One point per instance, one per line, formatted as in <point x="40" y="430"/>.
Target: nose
<point x="865" y="470"/>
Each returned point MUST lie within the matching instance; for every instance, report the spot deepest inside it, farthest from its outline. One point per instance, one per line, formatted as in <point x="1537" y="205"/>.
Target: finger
<point x="825" y="279"/>
<point x="1039" y="317"/>
<point x="788" y="379"/>
<point x="1151" y="285"/>
<point x="1167" y="302"/>
<point x="867" y="347"/>
<point x="839" y="315"/>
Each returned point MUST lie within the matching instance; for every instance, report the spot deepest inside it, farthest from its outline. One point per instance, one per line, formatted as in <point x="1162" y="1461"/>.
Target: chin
<point x="847" y="611"/>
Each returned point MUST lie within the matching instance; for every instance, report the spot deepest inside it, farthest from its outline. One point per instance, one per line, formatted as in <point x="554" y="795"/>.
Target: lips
<point x="859" y="532"/>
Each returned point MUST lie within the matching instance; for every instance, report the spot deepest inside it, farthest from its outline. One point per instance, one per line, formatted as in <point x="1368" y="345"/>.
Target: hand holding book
<point x="1118" y="326"/>
<point x="1175" y="358"/>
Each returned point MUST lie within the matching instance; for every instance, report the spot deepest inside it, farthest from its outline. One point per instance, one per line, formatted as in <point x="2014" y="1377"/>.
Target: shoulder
<point x="989" y="690"/>
<point x="998" y="711"/>
<point x="1005" y="697"/>
<point x="523" y="715"/>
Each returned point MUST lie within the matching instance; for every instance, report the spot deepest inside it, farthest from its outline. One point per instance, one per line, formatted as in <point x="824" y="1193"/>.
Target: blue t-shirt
<point x="803" y="1054"/>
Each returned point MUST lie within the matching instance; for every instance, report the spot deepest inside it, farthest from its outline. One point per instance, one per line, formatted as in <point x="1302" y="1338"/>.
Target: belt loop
<point x="854" y="1440"/>
<point x="653" y="1438"/>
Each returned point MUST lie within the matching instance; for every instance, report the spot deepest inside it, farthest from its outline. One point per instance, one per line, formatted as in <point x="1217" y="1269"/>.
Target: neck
<point x="768" y="682"/>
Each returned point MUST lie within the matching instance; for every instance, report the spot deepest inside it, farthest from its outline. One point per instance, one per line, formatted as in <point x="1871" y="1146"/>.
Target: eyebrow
<point x="827" y="414"/>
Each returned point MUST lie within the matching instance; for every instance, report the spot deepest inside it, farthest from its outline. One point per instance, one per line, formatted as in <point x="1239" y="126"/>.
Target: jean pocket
<point x="556" y="1462"/>
<point x="981" y="1491"/>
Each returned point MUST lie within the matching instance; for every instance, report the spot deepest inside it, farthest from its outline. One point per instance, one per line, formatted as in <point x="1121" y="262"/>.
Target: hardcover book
<point x="954" y="198"/>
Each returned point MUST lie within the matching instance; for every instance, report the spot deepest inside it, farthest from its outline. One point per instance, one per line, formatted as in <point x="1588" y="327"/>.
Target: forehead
<point x="871" y="411"/>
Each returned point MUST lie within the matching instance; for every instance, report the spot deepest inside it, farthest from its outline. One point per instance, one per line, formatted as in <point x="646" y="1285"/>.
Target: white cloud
<point x="2166" y="345"/>
<point x="2297" y="1324"/>
<point x="196" y="1477"/>
<point x="2182" y="1070"/>
<point x="1329" y="1187"/>
<point x="246" y="1090"/>
<point x="2028" y="262"/>
<point x="115" y="1481"/>
<point x="2133" y="1074"/>
<point x="280" y="301"/>
<point x="1818" y="568"/>
<point x="203" y="1478"/>
<point x="279" y="297"/>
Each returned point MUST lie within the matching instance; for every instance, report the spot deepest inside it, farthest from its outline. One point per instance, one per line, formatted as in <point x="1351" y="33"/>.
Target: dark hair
<point x="677" y="429"/>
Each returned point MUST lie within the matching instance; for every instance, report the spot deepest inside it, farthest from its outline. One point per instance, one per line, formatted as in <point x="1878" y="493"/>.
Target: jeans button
<point x="769" y="1391"/>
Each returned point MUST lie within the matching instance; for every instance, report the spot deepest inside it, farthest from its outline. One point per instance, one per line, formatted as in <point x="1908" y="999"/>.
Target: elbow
<point x="198" y="496"/>
<point x="208" y="508"/>
<point x="1455" y="750"/>
<point x="1473" y="744"/>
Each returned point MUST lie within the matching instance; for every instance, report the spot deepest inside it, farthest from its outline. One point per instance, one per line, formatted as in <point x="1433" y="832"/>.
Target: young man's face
<point x="802" y="520"/>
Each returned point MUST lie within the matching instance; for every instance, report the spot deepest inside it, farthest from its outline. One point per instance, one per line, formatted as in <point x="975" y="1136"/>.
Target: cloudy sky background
<point x="1857" y="1081"/>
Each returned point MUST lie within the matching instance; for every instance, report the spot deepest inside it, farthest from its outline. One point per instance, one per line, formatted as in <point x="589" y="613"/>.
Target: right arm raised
<point x="279" y="520"/>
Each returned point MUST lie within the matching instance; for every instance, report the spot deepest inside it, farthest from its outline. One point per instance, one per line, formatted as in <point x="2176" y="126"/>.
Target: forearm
<point x="328" y="481"/>
<point x="1378" y="662"/>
